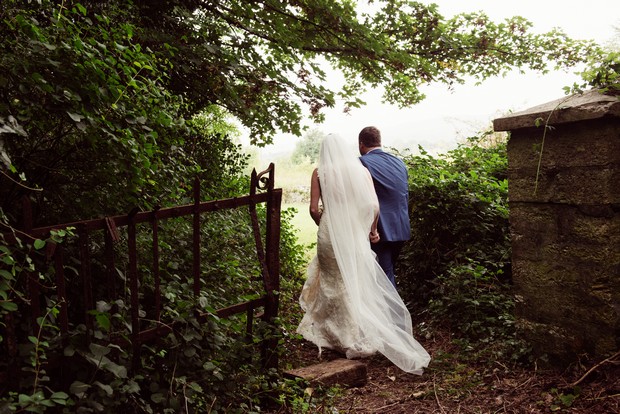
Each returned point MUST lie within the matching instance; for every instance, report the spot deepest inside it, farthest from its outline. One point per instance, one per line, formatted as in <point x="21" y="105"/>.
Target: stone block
<point x="565" y="224"/>
<point x="578" y="108"/>
<point x="345" y="372"/>
<point x="570" y="295"/>
<point x="580" y="164"/>
<point x="532" y="227"/>
<point x="594" y="143"/>
<point x="574" y="185"/>
<point x="597" y="226"/>
<point x="545" y="296"/>
<point x="558" y="345"/>
<point x="564" y="344"/>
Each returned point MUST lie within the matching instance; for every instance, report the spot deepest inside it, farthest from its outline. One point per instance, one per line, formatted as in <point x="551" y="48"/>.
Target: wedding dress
<point x="349" y="303"/>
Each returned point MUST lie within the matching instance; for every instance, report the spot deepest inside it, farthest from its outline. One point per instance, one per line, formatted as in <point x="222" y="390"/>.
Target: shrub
<point x="210" y="365"/>
<point x="456" y="267"/>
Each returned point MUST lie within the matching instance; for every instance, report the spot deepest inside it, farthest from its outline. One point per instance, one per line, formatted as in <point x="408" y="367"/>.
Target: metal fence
<point x="108" y="229"/>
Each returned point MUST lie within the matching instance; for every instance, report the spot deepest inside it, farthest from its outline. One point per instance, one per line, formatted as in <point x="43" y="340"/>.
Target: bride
<point x="349" y="303"/>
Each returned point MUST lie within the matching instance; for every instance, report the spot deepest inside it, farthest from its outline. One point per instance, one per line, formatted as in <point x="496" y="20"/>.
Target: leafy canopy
<point x="109" y="97"/>
<point x="265" y="60"/>
<point x="88" y="116"/>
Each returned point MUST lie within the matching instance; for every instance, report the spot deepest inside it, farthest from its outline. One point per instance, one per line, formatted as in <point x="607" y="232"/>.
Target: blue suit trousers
<point x="387" y="253"/>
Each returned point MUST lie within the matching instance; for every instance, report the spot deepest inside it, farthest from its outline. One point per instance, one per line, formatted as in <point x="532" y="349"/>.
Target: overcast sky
<point x="445" y="116"/>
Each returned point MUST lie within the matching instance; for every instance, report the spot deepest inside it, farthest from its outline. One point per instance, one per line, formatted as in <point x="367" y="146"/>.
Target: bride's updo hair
<point x="370" y="137"/>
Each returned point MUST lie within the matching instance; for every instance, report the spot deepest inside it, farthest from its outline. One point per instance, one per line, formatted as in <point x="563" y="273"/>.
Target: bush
<point x="456" y="267"/>
<point x="200" y="365"/>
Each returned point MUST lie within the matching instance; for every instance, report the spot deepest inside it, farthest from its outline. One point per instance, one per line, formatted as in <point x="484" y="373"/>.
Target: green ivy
<point x="204" y="365"/>
<point x="456" y="269"/>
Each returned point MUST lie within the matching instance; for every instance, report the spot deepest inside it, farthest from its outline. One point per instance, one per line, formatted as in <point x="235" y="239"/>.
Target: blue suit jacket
<point x="390" y="177"/>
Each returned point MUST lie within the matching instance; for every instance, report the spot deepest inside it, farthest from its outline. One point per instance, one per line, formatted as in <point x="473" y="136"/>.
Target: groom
<point x="389" y="175"/>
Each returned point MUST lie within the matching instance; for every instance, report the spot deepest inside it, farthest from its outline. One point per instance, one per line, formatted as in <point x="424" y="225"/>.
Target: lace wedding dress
<point x="329" y="321"/>
<point x="349" y="303"/>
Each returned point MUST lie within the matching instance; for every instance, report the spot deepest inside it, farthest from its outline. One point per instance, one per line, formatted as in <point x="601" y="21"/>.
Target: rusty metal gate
<point x="267" y="250"/>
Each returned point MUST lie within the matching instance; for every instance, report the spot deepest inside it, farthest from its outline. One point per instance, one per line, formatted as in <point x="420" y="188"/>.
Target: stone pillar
<point x="565" y="225"/>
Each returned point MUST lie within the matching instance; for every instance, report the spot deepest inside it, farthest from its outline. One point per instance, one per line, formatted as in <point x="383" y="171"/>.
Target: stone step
<point x="344" y="372"/>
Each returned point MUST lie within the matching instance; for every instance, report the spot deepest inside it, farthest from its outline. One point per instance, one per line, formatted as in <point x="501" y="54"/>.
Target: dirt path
<point x="452" y="384"/>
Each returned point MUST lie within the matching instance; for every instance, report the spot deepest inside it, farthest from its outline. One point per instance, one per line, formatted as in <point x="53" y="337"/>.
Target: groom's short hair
<point x="370" y="137"/>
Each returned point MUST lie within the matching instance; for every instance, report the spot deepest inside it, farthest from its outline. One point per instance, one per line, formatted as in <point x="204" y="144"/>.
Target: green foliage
<point x="458" y="209"/>
<point x="293" y="260"/>
<point x="305" y="227"/>
<point x="214" y="155"/>
<point x="83" y="93"/>
<point x="87" y="117"/>
<point x="483" y="303"/>
<point x="261" y="58"/>
<point x="102" y="103"/>
<point x="457" y="263"/>
<point x="202" y="365"/>
<point x="559" y="400"/>
<point x="602" y="72"/>
<point x="108" y="106"/>
<point x="307" y="150"/>
<point x="36" y="392"/>
<point x="295" y="396"/>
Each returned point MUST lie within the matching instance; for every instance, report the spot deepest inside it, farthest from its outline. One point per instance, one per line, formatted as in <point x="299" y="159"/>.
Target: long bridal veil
<point x="351" y="203"/>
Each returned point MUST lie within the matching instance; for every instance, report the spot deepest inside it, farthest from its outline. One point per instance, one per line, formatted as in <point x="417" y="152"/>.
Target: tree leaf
<point x="59" y="398"/>
<point x="75" y="117"/>
<point x="79" y="389"/>
<point x="105" y="387"/>
<point x="5" y="274"/>
<point x="157" y="397"/>
<point x="8" y="306"/>
<point x="98" y="350"/>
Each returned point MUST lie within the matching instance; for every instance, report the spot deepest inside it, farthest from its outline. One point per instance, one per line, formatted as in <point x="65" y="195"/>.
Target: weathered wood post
<point x="564" y="197"/>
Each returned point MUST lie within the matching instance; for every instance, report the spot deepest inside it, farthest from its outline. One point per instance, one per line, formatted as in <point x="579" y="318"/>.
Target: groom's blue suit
<point x="389" y="175"/>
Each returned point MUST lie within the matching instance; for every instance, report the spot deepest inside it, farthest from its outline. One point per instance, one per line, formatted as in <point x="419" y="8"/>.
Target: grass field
<point x="304" y="224"/>
<point x="290" y="177"/>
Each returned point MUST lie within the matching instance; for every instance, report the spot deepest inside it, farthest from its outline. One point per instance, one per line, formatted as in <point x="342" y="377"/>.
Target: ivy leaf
<point x="118" y="370"/>
<point x="8" y="260"/>
<point x="81" y="8"/>
<point x="98" y="350"/>
<point x="69" y="351"/>
<point x="105" y="387"/>
<point x="209" y="366"/>
<point x="8" y="306"/>
<point x="132" y="387"/>
<point x="39" y="244"/>
<point x="157" y="397"/>
<point x="104" y="362"/>
<point x="79" y="389"/>
<point x="195" y="386"/>
<point x="75" y="117"/>
<point x="24" y="399"/>
<point x="59" y="398"/>
<point x="6" y="274"/>
<point x="103" y="321"/>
